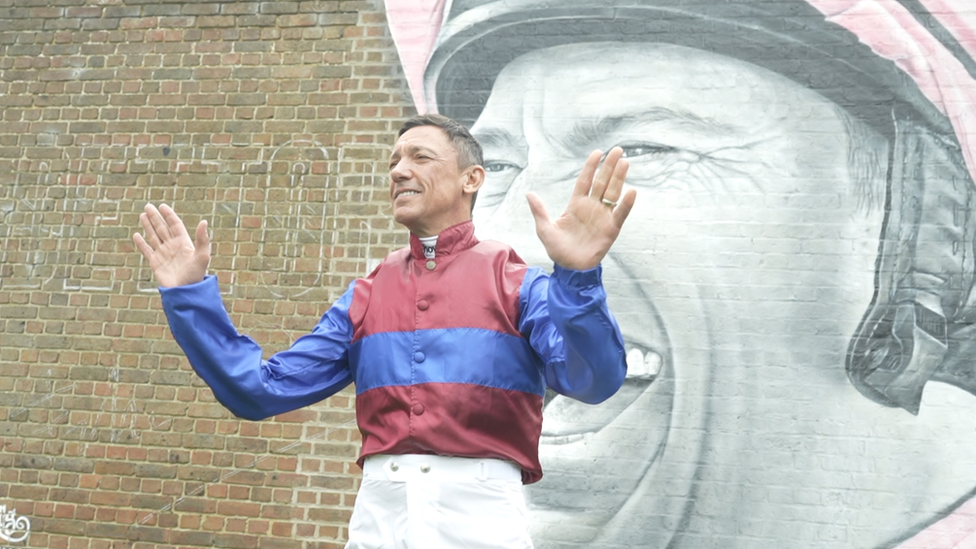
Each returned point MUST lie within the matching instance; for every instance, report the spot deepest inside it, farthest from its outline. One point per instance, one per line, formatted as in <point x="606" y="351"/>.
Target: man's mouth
<point x="407" y="193"/>
<point x="567" y="421"/>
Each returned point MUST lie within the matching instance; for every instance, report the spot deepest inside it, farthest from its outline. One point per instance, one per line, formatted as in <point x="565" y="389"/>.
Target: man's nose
<point x="401" y="171"/>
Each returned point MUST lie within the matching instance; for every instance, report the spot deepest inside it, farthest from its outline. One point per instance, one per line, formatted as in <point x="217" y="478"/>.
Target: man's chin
<point x="403" y="216"/>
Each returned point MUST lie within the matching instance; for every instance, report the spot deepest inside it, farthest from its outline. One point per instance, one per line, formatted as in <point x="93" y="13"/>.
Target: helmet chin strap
<point x="918" y="326"/>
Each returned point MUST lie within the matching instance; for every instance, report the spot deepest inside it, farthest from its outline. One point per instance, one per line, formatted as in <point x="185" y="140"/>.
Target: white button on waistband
<point x="394" y="466"/>
<point x="425" y="468"/>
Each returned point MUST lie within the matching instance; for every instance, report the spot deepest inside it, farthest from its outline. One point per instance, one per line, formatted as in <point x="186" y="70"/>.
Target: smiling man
<point x="452" y="343"/>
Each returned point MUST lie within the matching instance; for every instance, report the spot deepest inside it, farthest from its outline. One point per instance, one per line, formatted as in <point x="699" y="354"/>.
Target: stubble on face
<point x="426" y="184"/>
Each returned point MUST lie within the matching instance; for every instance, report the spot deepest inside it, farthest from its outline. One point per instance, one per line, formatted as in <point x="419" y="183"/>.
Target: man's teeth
<point x="407" y="193"/>
<point x="641" y="365"/>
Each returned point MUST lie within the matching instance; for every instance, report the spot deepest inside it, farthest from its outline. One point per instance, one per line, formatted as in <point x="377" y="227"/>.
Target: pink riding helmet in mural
<point x="910" y="79"/>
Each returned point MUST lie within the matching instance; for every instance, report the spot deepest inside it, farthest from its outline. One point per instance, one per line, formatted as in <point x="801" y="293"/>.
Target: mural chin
<point x="595" y="457"/>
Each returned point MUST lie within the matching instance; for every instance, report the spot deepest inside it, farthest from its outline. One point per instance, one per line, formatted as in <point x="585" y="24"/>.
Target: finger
<point x="539" y="212"/>
<point x="585" y="179"/>
<point x="624" y="206"/>
<point x="147" y="227"/>
<point x="143" y="246"/>
<point x="174" y="225"/>
<point x="616" y="185"/>
<point x="602" y="179"/>
<point x="202" y="241"/>
<point x="160" y="232"/>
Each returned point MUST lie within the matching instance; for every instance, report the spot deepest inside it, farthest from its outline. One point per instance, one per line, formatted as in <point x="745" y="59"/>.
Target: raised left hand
<point x="584" y="233"/>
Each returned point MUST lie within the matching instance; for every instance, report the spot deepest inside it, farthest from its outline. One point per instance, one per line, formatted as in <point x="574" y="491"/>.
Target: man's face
<point x="746" y="263"/>
<point x="426" y="186"/>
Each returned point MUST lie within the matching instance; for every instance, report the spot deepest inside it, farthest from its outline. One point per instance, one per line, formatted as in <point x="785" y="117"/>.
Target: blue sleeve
<point x="566" y="320"/>
<point x="315" y="367"/>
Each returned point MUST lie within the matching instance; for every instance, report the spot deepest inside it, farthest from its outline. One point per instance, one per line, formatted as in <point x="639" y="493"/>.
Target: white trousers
<point x="434" y="502"/>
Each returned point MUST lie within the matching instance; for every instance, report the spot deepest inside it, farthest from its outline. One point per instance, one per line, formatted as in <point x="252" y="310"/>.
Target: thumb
<point x="539" y="212"/>
<point x="202" y="240"/>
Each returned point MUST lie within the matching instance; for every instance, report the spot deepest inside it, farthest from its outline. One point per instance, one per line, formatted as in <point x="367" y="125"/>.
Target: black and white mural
<point x="795" y="281"/>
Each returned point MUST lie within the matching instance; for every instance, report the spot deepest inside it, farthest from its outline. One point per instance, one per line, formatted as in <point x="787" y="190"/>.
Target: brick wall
<point x="797" y="268"/>
<point x="268" y="119"/>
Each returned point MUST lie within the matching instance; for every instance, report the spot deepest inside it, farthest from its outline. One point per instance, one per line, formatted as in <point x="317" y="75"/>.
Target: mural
<point x="795" y="282"/>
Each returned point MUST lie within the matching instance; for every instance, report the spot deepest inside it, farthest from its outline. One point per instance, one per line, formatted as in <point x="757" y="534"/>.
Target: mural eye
<point x="632" y="150"/>
<point x="499" y="175"/>
<point x="497" y="166"/>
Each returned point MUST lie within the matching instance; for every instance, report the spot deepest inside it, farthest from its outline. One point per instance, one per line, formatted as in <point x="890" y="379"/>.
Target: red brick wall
<point x="269" y="119"/>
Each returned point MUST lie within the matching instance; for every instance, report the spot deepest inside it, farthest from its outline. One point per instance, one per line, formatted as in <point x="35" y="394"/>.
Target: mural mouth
<point x="567" y="421"/>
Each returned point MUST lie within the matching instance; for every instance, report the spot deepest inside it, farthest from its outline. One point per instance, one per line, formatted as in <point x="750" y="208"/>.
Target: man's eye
<point x="498" y="167"/>
<point x="644" y="149"/>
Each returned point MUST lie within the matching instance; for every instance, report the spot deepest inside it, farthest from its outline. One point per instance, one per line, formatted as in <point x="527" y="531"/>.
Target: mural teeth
<point x="643" y="365"/>
<point x="561" y="439"/>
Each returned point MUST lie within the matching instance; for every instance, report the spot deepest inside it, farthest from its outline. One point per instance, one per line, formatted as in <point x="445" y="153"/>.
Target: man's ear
<point x="474" y="178"/>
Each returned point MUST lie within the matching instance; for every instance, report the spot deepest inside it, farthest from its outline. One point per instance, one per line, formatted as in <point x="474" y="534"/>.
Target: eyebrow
<point x="587" y="132"/>
<point x="499" y="138"/>
<point x="411" y="150"/>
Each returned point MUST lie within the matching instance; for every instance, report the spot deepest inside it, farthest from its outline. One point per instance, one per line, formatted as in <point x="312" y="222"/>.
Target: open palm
<point x="581" y="237"/>
<point x="174" y="258"/>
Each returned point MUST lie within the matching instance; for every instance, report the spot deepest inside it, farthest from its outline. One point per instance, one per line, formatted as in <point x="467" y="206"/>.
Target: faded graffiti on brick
<point x="57" y="232"/>
<point x="299" y="169"/>
<point x="795" y="281"/>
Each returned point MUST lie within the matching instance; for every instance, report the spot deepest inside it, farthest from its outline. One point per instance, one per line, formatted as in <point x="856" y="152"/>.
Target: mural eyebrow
<point x="494" y="137"/>
<point x="594" y="132"/>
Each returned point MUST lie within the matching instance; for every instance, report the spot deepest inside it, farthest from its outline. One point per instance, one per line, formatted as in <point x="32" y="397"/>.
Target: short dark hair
<point x="468" y="149"/>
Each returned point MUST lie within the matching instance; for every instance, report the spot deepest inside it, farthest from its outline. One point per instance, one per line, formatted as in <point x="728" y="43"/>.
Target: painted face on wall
<point x="738" y="281"/>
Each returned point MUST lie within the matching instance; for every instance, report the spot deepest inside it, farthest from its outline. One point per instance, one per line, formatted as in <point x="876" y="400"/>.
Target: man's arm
<point x="566" y="320"/>
<point x="314" y="368"/>
<point x="565" y="316"/>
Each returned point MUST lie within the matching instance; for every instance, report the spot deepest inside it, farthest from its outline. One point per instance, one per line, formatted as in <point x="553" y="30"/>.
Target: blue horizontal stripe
<point x="456" y="355"/>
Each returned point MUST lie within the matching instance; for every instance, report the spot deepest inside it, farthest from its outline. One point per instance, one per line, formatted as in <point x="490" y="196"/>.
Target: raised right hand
<point x="173" y="257"/>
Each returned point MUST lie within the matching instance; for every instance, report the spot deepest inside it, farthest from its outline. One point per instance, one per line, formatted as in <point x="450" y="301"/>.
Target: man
<point x="451" y="342"/>
<point x="791" y="181"/>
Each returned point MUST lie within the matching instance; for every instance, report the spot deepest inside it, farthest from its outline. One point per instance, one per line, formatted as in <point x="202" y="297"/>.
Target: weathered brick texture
<point x="797" y="267"/>
<point x="272" y="121"/>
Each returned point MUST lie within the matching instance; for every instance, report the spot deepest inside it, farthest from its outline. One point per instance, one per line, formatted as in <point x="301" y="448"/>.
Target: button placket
<point x="422" y="305"/>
